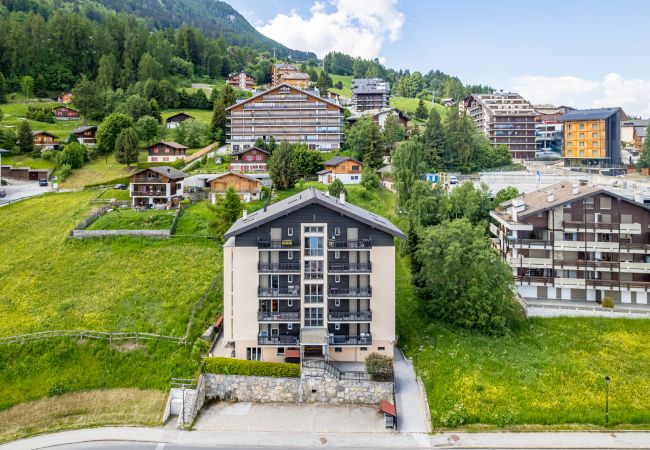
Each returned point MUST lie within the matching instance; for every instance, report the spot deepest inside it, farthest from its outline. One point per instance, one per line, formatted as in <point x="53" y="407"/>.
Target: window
<point x="314" y="246"/>
<point x="354" y="177"/>
<point x="280" y="351"/>
<point x="381" y="349"/>
<point x="569" y="135"/>
<point x="253" y="353"/>
<point x="594" y="144"/>
<point x="594" y="135"/>
<point x="337" y="326"/>
<point x="355" y="168"/>
<point x="337" y="302"/>
<point x="569" y="236"/>
<point x="337" y="255"/>
<point x="289" y="326"/>
<point x="605" y="203"/>
<point x="594" y="126"/>
<point x="582" y="126"/>
<point x="581" y="135"/>
<point x="338" y="349"/>
<point x="589" y="203"/>
<point x="337" y="278"/>
<point x="311" y="229"/>
<point x="569" y="144"/>
<point x="582" y="153"/>
<point x="290" y="254"/>
<point x="313" y="293"/>
<point x="289" y="303"/>
<point x="570" y="127"/>
<point x="364" y="349"/>
<point x="337" y="231"/>
<point x="582" y="143"/>
<point x="290" y="231"/>
<point x="313" y="269"/>
<point x="289" y="279"/>
<point x="313" y="317"/>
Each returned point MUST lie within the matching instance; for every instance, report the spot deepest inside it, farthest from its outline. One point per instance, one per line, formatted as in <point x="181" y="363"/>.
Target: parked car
<point x="43" y="182"/>
<point x="120" y="186"/>
<point x="3" y="193"/>
<point x="453" y="179"/>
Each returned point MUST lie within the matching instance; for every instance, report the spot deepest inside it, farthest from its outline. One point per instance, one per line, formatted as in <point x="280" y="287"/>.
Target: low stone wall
<point x="80" y="234"/>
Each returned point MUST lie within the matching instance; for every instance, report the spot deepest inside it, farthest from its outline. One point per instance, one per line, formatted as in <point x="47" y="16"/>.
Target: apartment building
<point x="549" y="130"/>
<point x="280" y="70"/>
<point x="370" y="93"/>
<point x="324" y="273"/>
<point x="592" y="137"/>
<point x="241" y="80"/>
<point x="505" y="118"/>
<point x="573" y="242"/>
<point x="633" y="132"/>
<point x="289" y="114"/>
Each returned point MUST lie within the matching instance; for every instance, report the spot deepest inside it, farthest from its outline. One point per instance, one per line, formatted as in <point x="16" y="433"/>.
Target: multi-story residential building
<point x="549" y="130"/>
<point x="343" y="168"/>
<point x="289" y="114"/>
<point x="242" y="81"/>
<point x="370" y="93"/>
<point x="593" y="137"/>
<point x="633" y="132"/>
<point x="300" y="80"/>
<point x="505" y="118"/>
<point x="160" y="186"/>
<point x="573" y="242"/>
<point x="278" y="71"/>
<point x="325" y="272"/>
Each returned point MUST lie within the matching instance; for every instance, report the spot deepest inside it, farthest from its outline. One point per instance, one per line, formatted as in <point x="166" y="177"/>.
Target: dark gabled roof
<point x="65" y="107"/>
<point x="84" y="129"/>
<point x="37" y="132"/>
<point x="246" y="150"/>
<point x="180" y="114"/>
<point x="166" y="171"/>
<point x="311" y="94"/>
<point x="240" y="175"/>
<point x="591" y="114"/>
<point x="305" y="198"/>
<point x="323" y="172"/>
<point x="169" y="144"/>
<point x="340" y="159"/>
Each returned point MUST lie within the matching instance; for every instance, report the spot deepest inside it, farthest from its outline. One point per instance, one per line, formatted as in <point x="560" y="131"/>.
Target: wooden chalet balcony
<point x="342" y="339"/>
<point x="278" y="316"/>
<point x="284" y="244"/>
<point x="349" y="267"/>
<point x="278" y="267"/>
<point x="350" y="292"/>
<point x="278" y="292"/>
<point x="361" y="316"/>
<point x="526" y="279"/>
<point x="153" y="193"/>
<point x="349" y="244"/>
<point x="615" y="284"/>
<point x="277" y="340"/>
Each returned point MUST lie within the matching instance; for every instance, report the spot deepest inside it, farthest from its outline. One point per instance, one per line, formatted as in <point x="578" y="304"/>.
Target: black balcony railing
<point x="362" y="339"/>
<point x="288" y="244"/>
<point x="277" y="340"/>
<point x="278" y="292"/>
<point x="350" y="292"/>
<point x="278" y="316"/>
<point x="353" y="244"/>
<point x="360" y="316"/>
<point x="162" y="193"/>
<point x="278" y="267"/>
<point x="349" y="267"/>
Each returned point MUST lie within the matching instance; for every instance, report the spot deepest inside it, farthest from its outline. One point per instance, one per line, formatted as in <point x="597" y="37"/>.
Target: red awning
<point x="388" y="408"/>
<point x="291" y="353"/>
<point x="219" y="321"/>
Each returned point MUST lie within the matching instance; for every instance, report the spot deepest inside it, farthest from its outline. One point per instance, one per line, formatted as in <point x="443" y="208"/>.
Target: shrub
<point x="608" y="302"/>
<point x="336" y="188"/>
<point x="380" y="367"/>
<point x="58" y="389"/>
<point x="47" y="155"/>
<point x="454" y="417"/>
<point x="232" y="366"/>
<point x="64" y="171"/>
<point x="40" y="114"/>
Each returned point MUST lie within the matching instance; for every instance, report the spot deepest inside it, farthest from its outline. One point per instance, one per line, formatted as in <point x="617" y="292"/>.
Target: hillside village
<point x="193" y="224"/>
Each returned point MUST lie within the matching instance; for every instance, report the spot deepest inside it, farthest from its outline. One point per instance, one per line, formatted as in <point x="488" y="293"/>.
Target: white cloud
<point x="633" y="95"/>
<point x="355" y="27"/>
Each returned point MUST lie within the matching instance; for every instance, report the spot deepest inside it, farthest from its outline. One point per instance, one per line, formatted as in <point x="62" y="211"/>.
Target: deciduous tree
<point x="282" y="166"/>
<point x="25" y="139"/>
<point x="86" y="98"/>
<point x="109" y="129"/>
<point x="126" y="147"/>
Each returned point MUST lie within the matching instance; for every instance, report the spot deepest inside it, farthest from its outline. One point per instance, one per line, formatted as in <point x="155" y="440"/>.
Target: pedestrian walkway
<point x="412" y="416"/>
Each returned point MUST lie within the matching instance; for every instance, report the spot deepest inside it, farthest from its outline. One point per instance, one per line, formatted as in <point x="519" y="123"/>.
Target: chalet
<point x="344" y="168"/>
<point x="252" y="159"/>
<point x="165" y="152"/>
<point x="159" y="187"/>
<point x="386" y="176"/>
<point x="45" y="140"/>
<point x="242" y="81"/>
<point x="300" y="80"/>
<point x="379" y="116"/>
<point x="175" y="120"/>
<point x="65" y="113"/>
<point x="66" y="97"/>
<point x="86" y="134"/>
<point x="248" y="188"/>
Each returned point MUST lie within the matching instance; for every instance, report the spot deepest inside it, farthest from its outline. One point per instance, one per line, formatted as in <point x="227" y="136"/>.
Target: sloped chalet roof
<point x="84" y="129"/>
<point x="171" y="144"/>
<point x="165" y="171"/>
<point x="278" y="87"/>
<point x="246" y="150"/>
<point x="181" y="115"/>
<point x="340" y="159"/>
<point x="240" y="175"/>
<point x="303" y="199"/>
<point x="47" y="133"/>
<point x="592" y="114"/>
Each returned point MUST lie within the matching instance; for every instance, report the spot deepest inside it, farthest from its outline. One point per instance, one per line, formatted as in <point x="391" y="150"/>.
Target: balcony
<point x="625" y="285"/>
<point x="158" y="193"/>
<point x="263" y="339"/>
<point x="529" y="243"/>
<point x="362" y="339"/>
<point x="293" y="267"/>
<point x="353" y="244"/>
<point x="284" y="244"/>
<point x="350" y="292"/>
<point x="581" y="263"/>
<point x="534" y="280"/>
<point x="361" y="316"/>
<point x="278" y="292"/>
<point x="350" y="267"/>
<point x="278" y="316"/>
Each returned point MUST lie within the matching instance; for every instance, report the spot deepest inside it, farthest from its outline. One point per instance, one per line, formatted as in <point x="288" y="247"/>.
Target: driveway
<point x="18" y="190"/>
<point x="290" y="418"/>
<point x="412" y="410"/>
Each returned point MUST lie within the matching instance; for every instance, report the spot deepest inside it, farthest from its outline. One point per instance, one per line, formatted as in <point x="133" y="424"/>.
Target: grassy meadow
<point x="130" y="219"/>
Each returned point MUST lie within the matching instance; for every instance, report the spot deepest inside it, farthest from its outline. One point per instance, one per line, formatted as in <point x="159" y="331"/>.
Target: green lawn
<point x="27" y="161"/>
<point x="100" y="170"/>
<point x="130" y="219"/>
<point x="198" y="219"/>
<point x="203" y="115"/>
<point x="347" y="85"/>
<point x="112" y="284"/>
<point x="14" y="113"/>
<point x="409" y="105"/>
<point x="115" y="194"/>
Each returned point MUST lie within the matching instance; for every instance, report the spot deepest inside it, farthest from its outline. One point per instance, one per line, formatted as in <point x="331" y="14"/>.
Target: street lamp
<point x="606" y="399"/>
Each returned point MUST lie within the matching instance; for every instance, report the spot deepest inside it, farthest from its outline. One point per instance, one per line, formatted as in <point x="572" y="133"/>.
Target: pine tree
<point x="126" y="147"/>
<point x="107" y="72"/>
<point x="3" y="88"/>
<point x="421" y="111"/>
<point x="644" y="159"/>
<point x="231" y="206"/>
<point x="374" y="154"/>
<point x="86" y="98"/>
<point x="25" y="139"/>
<point x="282" y="167"/>
<point x="218" y="123"/>
<point x="155" y="110"/>
<point x="435" y="141"/>
<point x="228" y="96"/>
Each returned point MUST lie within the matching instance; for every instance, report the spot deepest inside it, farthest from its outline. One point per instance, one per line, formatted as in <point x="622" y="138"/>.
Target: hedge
<point x="232" y="366"/>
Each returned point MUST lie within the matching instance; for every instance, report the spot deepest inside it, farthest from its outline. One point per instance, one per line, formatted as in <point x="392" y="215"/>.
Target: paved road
<point x="16" y="191"/>
<point x="411" y="408"/>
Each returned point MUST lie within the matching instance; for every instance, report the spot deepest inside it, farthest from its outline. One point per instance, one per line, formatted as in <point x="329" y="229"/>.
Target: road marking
<point x="160" y="446"/>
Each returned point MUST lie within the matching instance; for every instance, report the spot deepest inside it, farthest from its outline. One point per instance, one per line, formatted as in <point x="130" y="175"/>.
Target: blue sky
<point x="586" y="54"/>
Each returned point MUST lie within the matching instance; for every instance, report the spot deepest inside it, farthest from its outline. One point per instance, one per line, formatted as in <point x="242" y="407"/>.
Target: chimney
<point x="245" y="214"/>
<point x="550" y="196"/>
<point x="342" y="198"/>
<point x="576" y="188"/>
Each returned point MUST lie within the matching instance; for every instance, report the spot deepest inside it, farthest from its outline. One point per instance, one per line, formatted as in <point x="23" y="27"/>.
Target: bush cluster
<point x="40" y="114"/>
<point x="380" y="367"/>
<point x="232" y="366"/>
